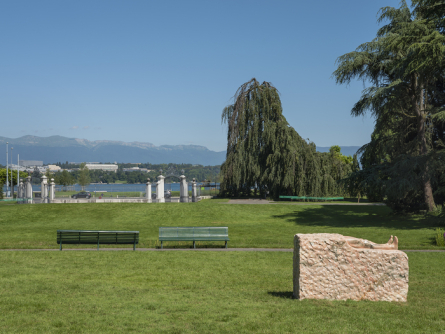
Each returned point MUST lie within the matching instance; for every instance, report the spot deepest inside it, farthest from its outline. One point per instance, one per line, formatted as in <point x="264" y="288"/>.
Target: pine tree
<point x="403" y="64"/>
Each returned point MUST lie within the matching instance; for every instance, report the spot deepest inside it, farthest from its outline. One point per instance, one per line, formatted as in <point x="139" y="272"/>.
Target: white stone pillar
<point x="20" y="192"/>
<point x="44" y="189"/>
<point x="194" y="191"/>
<point x="19" y="189"/>
<point x="28" y="190"/>
<point x="52" y="193"/>
<point x="148" y="191"/>
<point x="184" y="191"/>
<point x="160" y="189"/>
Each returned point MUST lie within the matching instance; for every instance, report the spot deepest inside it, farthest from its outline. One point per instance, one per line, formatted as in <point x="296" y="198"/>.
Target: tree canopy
<point x="84" y="176"/>
<point x="266" y="154"/>
<point x="404" y="70"/>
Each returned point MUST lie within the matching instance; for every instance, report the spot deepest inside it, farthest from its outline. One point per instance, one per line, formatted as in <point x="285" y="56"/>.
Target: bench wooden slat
<point x="194" y="234"/>
<point x="97" y="237"/>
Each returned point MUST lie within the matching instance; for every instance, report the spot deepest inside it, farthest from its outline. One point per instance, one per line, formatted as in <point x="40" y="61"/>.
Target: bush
<point x="440" y="237"/>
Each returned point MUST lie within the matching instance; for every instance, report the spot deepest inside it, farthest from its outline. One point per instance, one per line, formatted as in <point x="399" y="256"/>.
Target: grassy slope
<point x="176" y="292"/>
<point x="34" y="226"/>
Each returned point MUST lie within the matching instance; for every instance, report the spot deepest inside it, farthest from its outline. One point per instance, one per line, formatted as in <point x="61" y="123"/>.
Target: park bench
<point x="97" y="237"/>
<point x="193" y="234"/>
<point x="312" y="198"/>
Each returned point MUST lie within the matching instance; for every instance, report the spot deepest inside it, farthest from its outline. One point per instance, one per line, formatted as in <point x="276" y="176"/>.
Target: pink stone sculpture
<point x="337" y="267"/>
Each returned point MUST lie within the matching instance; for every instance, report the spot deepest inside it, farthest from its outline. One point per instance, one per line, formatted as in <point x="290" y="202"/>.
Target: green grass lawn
<point x="270" y="226"/>
<point x="197" y="292"/>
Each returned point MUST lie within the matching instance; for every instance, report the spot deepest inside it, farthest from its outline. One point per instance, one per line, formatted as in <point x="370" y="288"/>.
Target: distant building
<point x="104" y="167"/>
<point x="30" y="163"/>
<point x="54" y="168"/>
<point x="136" y="169"/>
<point x="14" y="168"/>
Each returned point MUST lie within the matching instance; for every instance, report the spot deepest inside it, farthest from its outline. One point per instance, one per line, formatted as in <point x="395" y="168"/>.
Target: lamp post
<point x="7" y="180"/>
<point x="12" y="183"/>
<point x="18" y="175"/>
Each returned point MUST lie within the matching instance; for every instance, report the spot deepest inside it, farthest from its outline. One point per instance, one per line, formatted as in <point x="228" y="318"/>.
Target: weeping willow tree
<point x="266" y="154"/>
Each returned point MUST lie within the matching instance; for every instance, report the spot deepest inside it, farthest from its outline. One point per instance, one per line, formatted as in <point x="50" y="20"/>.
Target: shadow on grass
<point x="357" y="216"/>
<point x="282" y="294"/>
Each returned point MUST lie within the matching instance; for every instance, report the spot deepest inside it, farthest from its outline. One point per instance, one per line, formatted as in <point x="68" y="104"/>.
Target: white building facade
<point x="104" y="167"/>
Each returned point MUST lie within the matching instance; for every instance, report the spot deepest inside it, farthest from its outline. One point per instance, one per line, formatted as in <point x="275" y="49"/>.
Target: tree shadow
<point x="357" y="216"/>
<point x="282" y="294"/>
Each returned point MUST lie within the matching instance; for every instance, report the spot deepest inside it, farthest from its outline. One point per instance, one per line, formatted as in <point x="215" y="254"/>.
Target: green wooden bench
<point x="193" y="234"/>
<point x="97" y="237"/>
<point x="312" y="198"/>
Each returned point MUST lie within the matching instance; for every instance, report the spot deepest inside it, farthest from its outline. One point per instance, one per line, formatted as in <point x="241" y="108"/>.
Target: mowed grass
<point x="269" y="226"/>
<point x="197" y="292"/>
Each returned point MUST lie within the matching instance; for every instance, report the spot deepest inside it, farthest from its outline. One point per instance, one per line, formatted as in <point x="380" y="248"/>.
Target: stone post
<point x="148" y="191"/>
<point x="44" y="189"/>
<point x="52" y="194"/>
<point x="194" y="192"/>
<point x="19" y="189"/>
<point x="160" y="189"/>
<point x="28" y="190"/>
<point x="184" y="190"/>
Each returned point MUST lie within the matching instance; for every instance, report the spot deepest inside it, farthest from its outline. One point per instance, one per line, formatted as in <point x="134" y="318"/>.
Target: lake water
<point x="119" y="187"/>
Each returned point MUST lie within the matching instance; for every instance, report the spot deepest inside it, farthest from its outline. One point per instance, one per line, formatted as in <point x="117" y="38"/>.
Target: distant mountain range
<point x="58" y="148"/>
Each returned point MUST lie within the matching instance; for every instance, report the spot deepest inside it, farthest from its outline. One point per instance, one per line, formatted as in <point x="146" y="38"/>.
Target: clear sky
<point x="162" y="71"/>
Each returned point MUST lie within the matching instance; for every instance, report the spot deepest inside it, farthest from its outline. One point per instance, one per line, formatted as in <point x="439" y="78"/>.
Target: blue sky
<point x="162" y="71"/>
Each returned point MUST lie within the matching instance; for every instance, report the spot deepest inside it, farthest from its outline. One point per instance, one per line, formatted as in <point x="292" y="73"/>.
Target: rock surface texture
<point x="327" y="267"/>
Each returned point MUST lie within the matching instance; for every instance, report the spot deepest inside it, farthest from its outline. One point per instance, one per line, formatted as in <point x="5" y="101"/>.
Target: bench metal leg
<point x="226" y="244"/>
<point x="162" y="247"/>
<point x="134" y="246"/>
<point x="97" y="244"/>
<point x="60" y="244"/>
<point x="194" y="246"/>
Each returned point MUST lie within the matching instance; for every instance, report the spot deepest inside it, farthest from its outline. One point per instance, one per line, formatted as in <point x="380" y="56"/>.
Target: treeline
<point x="199" y="172"/>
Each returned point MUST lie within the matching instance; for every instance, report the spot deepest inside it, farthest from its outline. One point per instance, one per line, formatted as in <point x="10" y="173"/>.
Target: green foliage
<point x="35" y="176"/>
<point x="199" y="172"/>
<point x="266" y="154"/>
<point x="64" y="178"/>
<point x="440" y="237"/>
<point x="22" y="175"/>
<point x="404" y="67"/>
<point x="49" y="175"/>
<point x="84" y="176"/>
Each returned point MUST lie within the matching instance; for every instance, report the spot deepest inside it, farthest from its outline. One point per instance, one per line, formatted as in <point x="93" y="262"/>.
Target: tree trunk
<point x="419" y="108"/>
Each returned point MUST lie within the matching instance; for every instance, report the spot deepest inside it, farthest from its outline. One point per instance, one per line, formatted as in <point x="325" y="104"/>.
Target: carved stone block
<point x="326" y="266"/>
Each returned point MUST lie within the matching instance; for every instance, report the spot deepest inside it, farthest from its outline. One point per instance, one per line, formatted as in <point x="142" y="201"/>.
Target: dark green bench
<point x="313" y="198"/>
<point x="97" y="237"/>
<point x="193" y="234"/>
